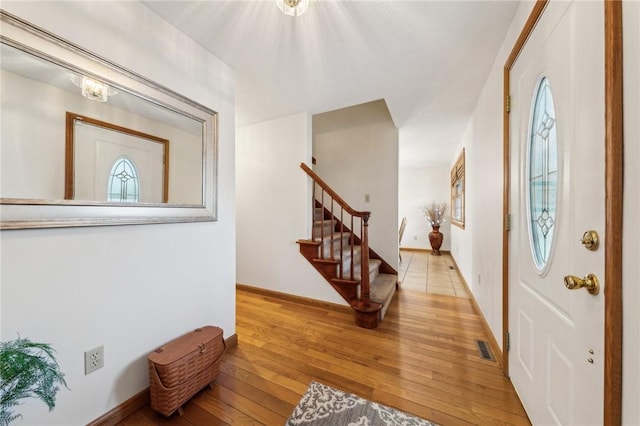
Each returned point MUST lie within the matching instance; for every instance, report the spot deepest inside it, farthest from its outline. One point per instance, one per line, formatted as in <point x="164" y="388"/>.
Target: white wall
<point x="477" y="249"/>
<point x="419" y="187"/>
<point x="129" y="288"/>
<point x="631" y="224"/>
<point x="273" y="198"/>
<point x="356" y="149"/>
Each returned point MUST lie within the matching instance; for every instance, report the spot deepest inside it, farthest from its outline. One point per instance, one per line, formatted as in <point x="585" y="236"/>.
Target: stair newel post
<point x="365" y="261"/>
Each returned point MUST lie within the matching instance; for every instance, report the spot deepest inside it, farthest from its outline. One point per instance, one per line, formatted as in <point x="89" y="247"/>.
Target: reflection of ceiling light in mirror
<point x="92" y="89"/>
<point x="293" y="7"/>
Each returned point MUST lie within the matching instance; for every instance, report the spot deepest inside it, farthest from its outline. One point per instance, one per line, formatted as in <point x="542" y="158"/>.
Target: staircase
<point x="338" y="249"/>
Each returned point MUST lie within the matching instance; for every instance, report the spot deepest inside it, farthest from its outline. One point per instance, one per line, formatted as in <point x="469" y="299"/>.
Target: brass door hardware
<point x="590" y="283"/>
<point x="590" y="240"/>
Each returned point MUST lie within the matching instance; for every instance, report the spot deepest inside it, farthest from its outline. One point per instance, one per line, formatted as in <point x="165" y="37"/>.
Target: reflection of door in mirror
<point x="104" y="158"/>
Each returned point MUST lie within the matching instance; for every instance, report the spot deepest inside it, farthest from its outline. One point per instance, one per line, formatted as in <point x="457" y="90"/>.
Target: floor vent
<point x="483" y="350"/>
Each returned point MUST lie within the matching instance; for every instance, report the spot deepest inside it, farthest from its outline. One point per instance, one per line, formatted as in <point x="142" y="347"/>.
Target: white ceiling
<point x="427" y="59"/>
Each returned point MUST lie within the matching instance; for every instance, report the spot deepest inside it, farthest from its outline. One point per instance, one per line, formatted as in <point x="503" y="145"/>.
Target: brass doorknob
<point x="590" y="283"/>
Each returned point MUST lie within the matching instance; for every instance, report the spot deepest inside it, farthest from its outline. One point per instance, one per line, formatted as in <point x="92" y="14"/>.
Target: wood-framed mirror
<point x="43" y="77"/>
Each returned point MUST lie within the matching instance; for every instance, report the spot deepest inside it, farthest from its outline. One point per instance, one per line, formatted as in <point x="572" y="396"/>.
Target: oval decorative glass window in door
<point x="123" y="182"/>
<point x="542" y="165"/>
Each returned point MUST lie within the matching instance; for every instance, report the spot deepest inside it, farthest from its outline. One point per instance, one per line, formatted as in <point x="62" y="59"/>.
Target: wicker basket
<point x="182" y="367"/>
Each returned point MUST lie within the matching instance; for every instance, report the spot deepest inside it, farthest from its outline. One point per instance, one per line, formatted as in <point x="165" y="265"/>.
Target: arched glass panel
<point x="543" y="174"/>
<point x="123" y="182"/>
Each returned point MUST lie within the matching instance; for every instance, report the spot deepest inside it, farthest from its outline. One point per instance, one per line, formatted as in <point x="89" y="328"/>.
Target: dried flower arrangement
<point x="434" y="213"/>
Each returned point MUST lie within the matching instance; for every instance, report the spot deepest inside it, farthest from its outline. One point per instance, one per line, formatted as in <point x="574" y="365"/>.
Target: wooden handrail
<point x="332" y="193"/>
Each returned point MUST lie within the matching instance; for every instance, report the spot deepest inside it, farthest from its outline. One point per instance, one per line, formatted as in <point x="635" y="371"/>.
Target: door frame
<point x="613" y="201"/>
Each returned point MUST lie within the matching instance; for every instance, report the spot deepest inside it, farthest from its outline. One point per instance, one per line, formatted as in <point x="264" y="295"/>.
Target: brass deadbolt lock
<point x="590" y="240"/>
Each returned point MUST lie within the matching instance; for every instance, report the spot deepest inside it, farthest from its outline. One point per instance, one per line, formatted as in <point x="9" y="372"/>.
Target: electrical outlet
<point x="93" y="360"/>
<point x="367" y="198"/>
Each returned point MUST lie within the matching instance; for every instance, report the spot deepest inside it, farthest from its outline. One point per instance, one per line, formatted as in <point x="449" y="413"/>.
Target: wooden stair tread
<point x="311" y="242"/>
<point x="345" y="281"/>
<point x="327" y="261"/>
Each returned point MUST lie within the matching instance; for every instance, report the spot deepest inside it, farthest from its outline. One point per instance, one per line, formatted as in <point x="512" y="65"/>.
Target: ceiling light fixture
<point x="293" y="7"/>
<point x="93" y="89"/>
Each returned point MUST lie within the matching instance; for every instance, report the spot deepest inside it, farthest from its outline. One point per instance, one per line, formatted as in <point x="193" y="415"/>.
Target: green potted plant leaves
<point x="27" y="370"/>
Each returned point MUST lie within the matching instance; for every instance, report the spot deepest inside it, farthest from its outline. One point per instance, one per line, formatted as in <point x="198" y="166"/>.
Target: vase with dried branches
<point x="434" y="213"/>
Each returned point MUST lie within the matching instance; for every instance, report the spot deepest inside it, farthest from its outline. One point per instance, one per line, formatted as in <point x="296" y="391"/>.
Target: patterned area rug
<point x="323" y="405"/>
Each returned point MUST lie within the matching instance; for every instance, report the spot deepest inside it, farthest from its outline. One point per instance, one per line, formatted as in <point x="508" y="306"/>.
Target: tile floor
<point x="420" y="271"/>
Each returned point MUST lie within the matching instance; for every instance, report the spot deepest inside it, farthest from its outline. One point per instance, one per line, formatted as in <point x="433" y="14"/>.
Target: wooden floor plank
<point x="219" y="411"/>
<point x="248" y="406"/>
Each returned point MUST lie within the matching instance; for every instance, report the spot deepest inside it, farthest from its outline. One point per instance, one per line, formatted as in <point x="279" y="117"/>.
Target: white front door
<point x="556" y="359"/>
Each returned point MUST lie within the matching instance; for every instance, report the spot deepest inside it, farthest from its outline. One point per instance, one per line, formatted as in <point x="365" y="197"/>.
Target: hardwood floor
<point x="422" y="359"/>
